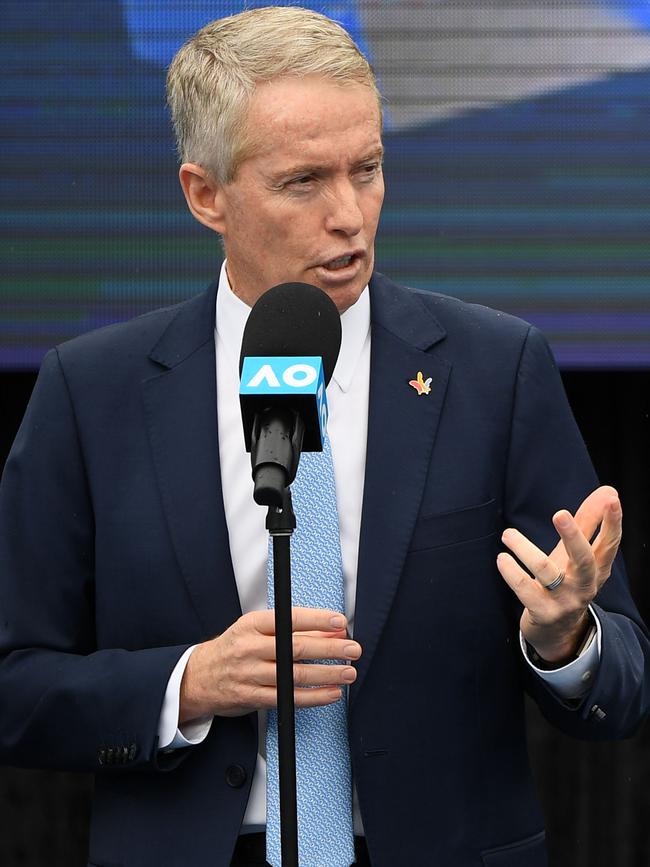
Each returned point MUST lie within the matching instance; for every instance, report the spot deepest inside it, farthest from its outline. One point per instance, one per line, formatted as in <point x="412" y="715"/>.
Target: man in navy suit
<point x="134" y="633"/>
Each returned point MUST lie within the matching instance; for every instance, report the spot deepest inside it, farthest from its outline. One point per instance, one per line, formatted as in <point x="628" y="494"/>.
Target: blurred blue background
<point x="517" y="164"/>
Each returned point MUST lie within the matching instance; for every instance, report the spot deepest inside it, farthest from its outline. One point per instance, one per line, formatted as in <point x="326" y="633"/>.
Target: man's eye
<point x="302" y="181"/>
<point x="369" y="171"/>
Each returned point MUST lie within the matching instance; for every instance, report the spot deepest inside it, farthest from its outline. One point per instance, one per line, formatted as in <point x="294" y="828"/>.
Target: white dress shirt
<point x="347" y="396"/>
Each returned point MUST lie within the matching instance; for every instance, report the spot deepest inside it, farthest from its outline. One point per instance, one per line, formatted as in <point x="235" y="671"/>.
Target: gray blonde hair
<point x="212" y="78"/>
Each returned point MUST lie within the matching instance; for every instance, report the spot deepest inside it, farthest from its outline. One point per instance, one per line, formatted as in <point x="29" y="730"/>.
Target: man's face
<point x="305" y="206"/>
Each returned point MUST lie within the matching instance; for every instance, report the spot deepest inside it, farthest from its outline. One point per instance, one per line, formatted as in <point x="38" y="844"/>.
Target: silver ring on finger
<point x="556" y="582"/>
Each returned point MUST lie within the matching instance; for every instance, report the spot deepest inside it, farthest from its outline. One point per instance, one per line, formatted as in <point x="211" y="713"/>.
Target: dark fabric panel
<point x="44" y="818"/>
<point x="595" y="796"/>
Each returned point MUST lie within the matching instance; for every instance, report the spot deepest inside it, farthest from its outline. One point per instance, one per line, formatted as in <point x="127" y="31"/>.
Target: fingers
<point x="314" y="641"/>
<point x="303" y="620"/>
<point x="316" y="647"/>
<point x="316" y="697"/>
<point x="591" y="511"/>
<point x="308" y="675"/>
<point x="333" y="633"/>
<point x="306" y="646"/>
<point x="540" y="565"/>
<point x="553" y="620"/>
<point x="314" y="684"/>
<point x="235" y="673"/>
<point x="266" y="697"/>
<point x="588" y="562"/>
<point x="585" y="564"/>
<point x="581" y="564"/>
<point x="608" y="540"/>
<point x="519" y="581"/>
<point x="254" y="639"/>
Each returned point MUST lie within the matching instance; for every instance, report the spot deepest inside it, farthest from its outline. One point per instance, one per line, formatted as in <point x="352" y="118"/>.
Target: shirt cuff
<point x="573" y="680"/>
<point x="170" y="735"/>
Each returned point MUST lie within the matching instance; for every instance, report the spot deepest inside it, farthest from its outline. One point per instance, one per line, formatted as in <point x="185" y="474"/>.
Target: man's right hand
<point x="234" y="673"/>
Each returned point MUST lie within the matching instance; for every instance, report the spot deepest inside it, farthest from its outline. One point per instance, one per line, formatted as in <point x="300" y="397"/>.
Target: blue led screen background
<point x="517" y="164"/>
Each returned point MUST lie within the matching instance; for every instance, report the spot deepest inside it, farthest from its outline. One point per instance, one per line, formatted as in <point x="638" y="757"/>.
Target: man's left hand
<point x="555" y="621"/>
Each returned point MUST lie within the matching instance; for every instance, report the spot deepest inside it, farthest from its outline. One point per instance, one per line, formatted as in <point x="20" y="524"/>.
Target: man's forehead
<point x="299" y="120"/>
<point x="313" y="103"/>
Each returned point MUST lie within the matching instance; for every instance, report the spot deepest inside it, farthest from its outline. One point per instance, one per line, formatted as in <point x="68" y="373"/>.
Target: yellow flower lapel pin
<point x="421" y="385"/>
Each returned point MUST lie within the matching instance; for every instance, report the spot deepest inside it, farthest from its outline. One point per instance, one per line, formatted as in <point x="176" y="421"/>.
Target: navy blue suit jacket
<point x="114" y="558"/>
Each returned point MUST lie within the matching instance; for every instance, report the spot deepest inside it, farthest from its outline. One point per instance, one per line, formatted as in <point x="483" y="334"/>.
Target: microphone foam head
<point x="294" y="319"/>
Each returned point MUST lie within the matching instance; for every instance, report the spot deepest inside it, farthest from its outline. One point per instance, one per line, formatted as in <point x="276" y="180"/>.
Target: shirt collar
<point x="232" y="314"/>
<point x="355" y="327"/>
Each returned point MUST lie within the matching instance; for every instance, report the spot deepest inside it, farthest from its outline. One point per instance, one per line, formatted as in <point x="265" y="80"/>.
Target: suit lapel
<point x="401" y="430"/>
<point x="181" y="412"/>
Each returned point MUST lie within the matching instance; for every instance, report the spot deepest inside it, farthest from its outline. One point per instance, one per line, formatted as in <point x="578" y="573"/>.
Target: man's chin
<point x="344" y="293"/>
<point x="344" y="298"/>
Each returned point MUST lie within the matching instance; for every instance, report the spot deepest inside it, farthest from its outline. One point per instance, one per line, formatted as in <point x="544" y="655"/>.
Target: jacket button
<point x="597" y="713"/>
<point x="236" y="776"/>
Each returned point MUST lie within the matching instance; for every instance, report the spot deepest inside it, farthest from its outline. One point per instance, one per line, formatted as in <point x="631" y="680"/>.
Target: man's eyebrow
<point x="299" y="169"/>
<point x="374" y="154"/>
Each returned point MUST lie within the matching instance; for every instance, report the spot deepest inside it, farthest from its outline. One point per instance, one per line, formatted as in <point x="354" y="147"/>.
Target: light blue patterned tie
<point x="323" y="774"/>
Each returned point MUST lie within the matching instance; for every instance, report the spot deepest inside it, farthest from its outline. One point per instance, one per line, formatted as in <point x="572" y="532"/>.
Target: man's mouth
<point x="341" y="262"/>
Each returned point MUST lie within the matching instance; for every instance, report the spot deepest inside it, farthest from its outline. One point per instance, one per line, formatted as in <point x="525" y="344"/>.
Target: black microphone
<point x="289" y="350"/>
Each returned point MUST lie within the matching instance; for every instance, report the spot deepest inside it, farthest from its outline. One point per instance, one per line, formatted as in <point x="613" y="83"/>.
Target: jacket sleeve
<point x="548" y="469"/>
<point x="63" y="703"/>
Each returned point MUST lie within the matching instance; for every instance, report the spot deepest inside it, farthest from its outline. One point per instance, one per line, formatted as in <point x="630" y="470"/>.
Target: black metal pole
<point x="280" y="524"/>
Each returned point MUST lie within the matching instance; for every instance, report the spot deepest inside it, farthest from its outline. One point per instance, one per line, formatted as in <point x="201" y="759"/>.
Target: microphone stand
<point x="281" y="522"/>
<point x="276" y="444"/>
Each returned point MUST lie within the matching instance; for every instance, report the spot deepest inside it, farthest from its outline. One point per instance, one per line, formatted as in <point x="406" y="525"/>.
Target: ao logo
<point x="300" y="375"/>
<point x="295" y="376"/>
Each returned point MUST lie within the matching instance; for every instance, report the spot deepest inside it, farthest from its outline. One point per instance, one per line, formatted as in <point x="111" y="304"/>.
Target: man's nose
<point x="343" y="212"/>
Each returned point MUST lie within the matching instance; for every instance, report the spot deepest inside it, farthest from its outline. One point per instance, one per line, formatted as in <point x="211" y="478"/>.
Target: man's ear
<point x="204" y="196"/>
